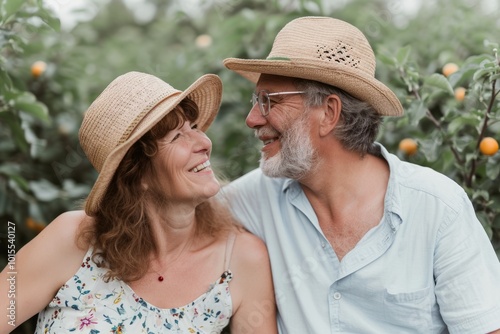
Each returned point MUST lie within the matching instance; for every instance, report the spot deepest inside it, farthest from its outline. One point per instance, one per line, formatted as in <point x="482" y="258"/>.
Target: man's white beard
<point x="296" y="157"/>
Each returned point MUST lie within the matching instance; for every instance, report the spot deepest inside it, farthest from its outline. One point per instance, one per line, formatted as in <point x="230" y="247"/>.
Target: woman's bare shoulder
<point x="66" y="227"/>
<point x="57" y="247"/>
<point x="249" y="249"/>
<point x="71" y="218"/>
<point x="52" y="257"/>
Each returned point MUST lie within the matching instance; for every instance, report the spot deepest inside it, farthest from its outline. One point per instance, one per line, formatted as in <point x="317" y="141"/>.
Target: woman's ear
<point x="330" y="114"/>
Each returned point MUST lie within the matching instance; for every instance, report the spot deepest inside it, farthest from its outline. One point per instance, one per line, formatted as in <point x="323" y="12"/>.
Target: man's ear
<point x="330" y="114"/>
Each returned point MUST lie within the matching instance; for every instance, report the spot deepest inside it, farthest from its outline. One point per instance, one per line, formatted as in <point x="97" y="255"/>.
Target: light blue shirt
<point x="428" y="267"/>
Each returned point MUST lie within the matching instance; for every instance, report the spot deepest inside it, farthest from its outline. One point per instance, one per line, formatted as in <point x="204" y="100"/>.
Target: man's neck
<point x="347" y="195"/>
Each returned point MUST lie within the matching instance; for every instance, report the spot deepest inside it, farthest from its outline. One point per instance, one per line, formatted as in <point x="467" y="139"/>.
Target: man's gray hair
<point x="359" y="122"/>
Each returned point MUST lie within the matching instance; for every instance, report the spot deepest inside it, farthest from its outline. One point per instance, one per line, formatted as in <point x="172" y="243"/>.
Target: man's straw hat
<point x="128" y="108"/>
<point x="327" y="50"/>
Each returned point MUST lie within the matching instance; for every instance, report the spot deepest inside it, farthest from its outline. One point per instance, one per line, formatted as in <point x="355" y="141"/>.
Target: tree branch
<point x="483" y="131"/>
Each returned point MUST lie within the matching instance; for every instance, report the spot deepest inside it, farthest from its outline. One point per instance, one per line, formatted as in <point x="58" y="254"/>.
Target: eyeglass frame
<point x="265" y="112"/>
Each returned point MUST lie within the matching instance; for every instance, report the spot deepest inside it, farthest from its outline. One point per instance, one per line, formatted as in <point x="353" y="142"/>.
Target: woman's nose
<point x="202" y="142"/>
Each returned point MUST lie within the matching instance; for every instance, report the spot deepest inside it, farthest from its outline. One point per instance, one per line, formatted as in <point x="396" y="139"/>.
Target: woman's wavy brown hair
<point x="120" y="233"/>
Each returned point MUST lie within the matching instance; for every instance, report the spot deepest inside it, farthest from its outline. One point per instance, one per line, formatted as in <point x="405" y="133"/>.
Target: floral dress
<point x="88" y="304"/>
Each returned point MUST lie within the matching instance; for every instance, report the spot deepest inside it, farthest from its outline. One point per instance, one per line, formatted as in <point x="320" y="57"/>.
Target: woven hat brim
<point x="206" y="92"/>
<point x="363" y="87"/>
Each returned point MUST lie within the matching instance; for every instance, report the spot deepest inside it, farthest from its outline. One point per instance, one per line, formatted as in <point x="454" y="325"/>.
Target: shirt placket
<point x="358" y="258"/>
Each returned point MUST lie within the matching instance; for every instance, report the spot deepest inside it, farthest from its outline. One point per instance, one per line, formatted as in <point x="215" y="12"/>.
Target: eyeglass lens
<point x="264" y="102"/>
<point x="262" y="98"/>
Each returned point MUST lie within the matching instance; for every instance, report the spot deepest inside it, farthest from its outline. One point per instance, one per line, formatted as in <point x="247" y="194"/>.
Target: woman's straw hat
<point x="327" y="50"/>
<point x="128" y="108"/>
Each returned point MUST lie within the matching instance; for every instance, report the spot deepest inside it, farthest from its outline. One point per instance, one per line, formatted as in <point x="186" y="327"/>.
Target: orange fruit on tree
<point x="449" y="69"/>
<point x="203" y="41"/>
<point x="460" y="93"/>
<point x="34" y="225"/>
<point x="408" y="146"/>
<point x="38" y="68"/>
<point x="488" y="146"/>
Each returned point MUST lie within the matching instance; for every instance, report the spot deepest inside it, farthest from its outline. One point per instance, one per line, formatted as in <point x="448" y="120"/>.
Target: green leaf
<point x="387" y="60"/>
<point x="10" y="7"/>
<point x="74" y="190"/>
<point x="26" y="97"/>
<point x="483" y="218"/>
<point x="403" y="54"/>
<point x="50" y="19"/>
<point x="480" y="194"/>
<point x="430" y="148"/>
<point x="20" y="187"/>
<point x="5" y="36"/>
<point x="477" y="60"/>
<point x="439" y="81"/>
<point x="37" y="109"/>
<point x="482" y="73"/>
<point x="461" y="143"/>
<point x="312" y="7"/>
<point x="459" y="123"/>
<point x="492" y="170"/>
<point x="5" y="81"/>
<point x="488" y="63"/>
<point x="471" y="156"/>
<point x="462" y="76"/>
<point x="16" y="130"/>
<point x="9" y="169"/>
<point x="27" y="102"/>
<point x="495" y="77"/>
<point x="496" y="222"/>
<point x="416" y="112"/>
<point x="490" y="44"/>
<point x="20" y="181"/>
<point x="44" y="190"/>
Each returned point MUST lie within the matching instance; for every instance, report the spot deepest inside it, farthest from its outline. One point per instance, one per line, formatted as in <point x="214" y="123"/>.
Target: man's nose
<point x="255" y="118"/>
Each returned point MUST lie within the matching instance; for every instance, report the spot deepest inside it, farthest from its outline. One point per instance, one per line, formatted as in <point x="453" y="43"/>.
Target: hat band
<point x="278" y="58"/>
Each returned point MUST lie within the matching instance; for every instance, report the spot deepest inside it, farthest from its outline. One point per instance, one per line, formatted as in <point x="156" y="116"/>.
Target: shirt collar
<point x="392" y="201"/>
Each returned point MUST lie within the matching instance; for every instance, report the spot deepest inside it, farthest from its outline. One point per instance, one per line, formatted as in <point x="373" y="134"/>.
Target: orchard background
<point x="49" y="75"/>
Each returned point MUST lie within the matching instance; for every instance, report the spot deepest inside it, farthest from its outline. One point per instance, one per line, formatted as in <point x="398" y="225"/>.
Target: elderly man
<point x="360" y="242"/>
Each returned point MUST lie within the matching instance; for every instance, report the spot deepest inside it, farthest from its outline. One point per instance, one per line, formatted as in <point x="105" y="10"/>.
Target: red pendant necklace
<point x="160" y="276"/>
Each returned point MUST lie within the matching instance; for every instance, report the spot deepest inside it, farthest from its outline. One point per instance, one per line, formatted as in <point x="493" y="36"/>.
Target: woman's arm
<point x="252" y="287"/>
<point x="39" y="269"/>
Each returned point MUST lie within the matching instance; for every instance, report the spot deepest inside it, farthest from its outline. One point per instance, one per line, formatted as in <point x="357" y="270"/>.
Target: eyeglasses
<point x="264" y="101"/>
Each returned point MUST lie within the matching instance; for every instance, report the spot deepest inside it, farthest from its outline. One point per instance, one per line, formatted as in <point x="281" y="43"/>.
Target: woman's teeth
<point x="201" y="166"/>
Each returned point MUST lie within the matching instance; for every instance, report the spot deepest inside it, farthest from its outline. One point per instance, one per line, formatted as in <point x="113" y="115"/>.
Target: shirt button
<point x="323" y="245"/>
<point x="337" y="295"/>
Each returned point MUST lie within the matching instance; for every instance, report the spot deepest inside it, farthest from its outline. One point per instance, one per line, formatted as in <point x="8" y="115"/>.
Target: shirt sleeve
<point x="467" y="274"/>
<point x="245" y="201"/>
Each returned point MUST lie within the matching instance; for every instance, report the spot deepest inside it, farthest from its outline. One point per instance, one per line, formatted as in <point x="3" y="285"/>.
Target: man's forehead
<point x="267" y="81"/>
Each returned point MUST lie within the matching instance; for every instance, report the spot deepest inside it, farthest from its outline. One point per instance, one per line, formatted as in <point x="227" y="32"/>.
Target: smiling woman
<point x="175" y="172"/>
<point x="152" y="248"/>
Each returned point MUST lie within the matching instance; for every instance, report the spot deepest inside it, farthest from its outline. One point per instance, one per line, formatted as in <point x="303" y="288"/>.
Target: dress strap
<point x="229" y="250"/>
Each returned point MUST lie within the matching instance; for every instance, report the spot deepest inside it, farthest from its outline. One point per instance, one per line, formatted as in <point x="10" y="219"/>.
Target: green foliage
<point x="44" y="172"/>
<point x="448" y="129"/>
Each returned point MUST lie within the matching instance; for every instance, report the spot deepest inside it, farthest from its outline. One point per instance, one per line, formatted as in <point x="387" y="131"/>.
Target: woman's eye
<point x="194" y="126"/>
<point x="176" y="137"/>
